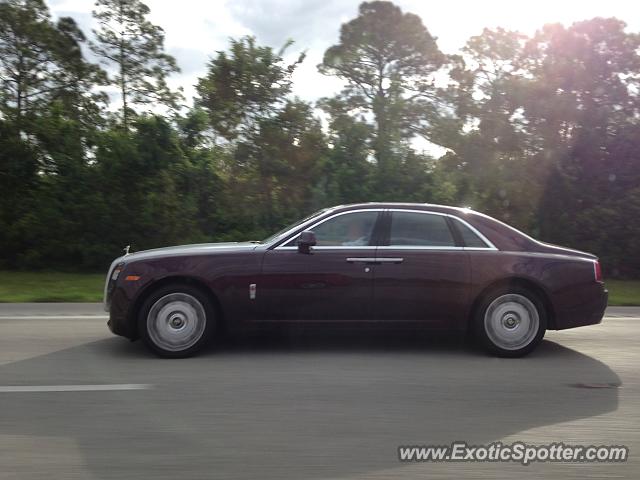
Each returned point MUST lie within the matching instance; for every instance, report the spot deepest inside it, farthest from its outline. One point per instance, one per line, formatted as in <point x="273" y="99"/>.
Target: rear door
<point x="422" y="271"/>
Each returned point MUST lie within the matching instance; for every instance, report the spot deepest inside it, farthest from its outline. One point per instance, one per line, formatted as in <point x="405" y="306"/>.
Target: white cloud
<point x="196" y="29"/>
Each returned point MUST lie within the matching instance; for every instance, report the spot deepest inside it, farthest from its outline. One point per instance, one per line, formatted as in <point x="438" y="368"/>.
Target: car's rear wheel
<point x="511" y="322"/>
<point x="176" y="321"/>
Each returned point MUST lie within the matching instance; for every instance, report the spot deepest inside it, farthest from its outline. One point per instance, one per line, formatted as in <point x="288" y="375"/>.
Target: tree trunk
<point x="382" y="150"/>
<point x="123" y="73"/>
<point x="123" y="92"/>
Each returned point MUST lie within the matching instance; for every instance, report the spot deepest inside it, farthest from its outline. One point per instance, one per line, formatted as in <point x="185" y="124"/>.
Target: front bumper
<point x="121" y="317"/>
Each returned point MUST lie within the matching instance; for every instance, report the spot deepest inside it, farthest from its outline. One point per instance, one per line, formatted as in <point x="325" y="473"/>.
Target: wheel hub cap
<point x="176" y="322"/>
<point x="511" y="321"/>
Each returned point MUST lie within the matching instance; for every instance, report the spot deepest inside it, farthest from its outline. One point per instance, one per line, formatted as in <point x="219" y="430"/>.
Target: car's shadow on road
<point x="295" y="405"/>
<point x="322" y="339"/>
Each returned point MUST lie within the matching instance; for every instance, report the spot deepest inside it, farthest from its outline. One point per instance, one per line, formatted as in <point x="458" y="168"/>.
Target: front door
<point x="332" y="283"/>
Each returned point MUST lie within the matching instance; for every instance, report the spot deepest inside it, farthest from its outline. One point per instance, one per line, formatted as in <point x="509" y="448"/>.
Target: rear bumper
<point x="589" y="312"/>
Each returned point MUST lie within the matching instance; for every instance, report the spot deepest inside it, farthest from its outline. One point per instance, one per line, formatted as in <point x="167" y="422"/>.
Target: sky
<point x="196" y="29"/>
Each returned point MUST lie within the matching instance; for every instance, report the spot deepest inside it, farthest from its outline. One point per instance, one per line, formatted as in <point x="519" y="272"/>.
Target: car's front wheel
<point x="176" y="321"/>
<point x="511" y="323"/>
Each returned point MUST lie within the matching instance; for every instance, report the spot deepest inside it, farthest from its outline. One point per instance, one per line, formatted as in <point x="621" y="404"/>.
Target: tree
<point x="388" y="59"/>
<point x="245" y="86"/>
<point x="135" y="47"/>
<point x="288" y="155"/>
<point x="246" y="97"/>
<point x="349" y="173"/>
<point x="554" y="116"/>
<point x="41" y="62"/>
<point x="582" y="108"/>
<point x="490" y="151"/>
<point x="49" y="110"/>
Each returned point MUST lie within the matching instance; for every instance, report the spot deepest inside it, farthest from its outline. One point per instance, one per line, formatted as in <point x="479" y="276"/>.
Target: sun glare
<point x="472" y="16"/>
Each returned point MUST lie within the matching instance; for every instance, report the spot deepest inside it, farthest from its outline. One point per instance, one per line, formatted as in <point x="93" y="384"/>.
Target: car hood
<point x="194" y="249"/>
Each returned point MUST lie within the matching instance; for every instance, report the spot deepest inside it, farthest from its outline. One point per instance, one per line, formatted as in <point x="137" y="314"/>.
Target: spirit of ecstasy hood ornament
<point x="126" y="250"/>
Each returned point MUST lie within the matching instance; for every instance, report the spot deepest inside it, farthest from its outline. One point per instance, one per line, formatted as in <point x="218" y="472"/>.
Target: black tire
<point x="177" y="321"/>
<point x="501" y="313"/>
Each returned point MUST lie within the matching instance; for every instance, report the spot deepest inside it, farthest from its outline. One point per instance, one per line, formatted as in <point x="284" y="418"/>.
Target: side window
<point x="420" y="229"/>
<point x="470" y="238"/>
<point x="351" y="229"/>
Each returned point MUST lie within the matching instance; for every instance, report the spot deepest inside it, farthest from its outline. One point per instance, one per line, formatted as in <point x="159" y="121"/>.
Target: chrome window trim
<point x="308" y="226"/>
<point x="333" y="247"/>
<point x="490" y="245"/>
<point x="417" y="247"/>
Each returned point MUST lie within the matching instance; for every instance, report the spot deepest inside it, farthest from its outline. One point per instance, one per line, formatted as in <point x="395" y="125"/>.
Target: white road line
<point x="72" y="388"/>
<point x="106" y="317"/>
<point x="54" y="317"/>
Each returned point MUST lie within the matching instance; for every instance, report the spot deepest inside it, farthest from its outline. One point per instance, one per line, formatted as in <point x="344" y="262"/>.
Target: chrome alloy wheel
<point x="176" y="322"/>
<point x="511" y="321"/>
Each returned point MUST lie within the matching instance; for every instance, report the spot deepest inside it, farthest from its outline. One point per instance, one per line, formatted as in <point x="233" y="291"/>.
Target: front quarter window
<point x="282" y="232"/>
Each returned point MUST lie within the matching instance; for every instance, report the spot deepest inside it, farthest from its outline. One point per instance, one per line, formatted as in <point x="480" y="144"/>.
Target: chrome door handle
<point x="375" y="260"/>
<point x="361" y="259"/>
<point x="390" y="260"/>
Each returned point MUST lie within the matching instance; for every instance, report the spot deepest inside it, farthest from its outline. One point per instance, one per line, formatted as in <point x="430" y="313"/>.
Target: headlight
<point x="116" y="272"/>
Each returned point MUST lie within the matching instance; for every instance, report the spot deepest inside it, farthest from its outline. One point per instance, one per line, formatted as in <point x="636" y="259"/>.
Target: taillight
<point x="597" y="271"/>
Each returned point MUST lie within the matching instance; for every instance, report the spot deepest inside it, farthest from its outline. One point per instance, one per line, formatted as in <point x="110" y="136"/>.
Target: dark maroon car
<point x="443" y="267"/>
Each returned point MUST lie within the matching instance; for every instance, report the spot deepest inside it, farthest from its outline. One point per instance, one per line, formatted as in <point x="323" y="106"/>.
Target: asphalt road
<point x="76" y="402"/>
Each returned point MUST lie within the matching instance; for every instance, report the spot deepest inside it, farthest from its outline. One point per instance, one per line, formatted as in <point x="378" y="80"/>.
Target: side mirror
<point x="306" y="240"/>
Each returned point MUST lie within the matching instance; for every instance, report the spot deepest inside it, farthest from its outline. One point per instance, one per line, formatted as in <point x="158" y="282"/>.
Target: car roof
<point x="503" y="236"/>
<point x="413" y="206"/>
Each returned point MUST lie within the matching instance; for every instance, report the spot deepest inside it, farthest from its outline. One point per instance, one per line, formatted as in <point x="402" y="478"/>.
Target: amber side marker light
<point x="132" y="278"/>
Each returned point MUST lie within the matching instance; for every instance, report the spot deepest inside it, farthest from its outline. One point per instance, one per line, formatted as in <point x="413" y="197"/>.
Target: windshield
<point x="280" y="233"/>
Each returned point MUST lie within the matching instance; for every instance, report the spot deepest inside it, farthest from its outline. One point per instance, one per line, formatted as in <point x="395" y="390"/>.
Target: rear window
<point x="469" y="237"/>
<point x="420" y="230"/>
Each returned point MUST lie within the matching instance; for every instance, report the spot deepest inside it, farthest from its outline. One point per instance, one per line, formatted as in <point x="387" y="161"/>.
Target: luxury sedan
<point x="421" y="264"/>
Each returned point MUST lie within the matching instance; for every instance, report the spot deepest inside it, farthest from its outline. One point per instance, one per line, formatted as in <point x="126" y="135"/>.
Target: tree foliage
<point x="41" y="62"/>
<point x="245" y="86"/>
<point x="388" y="59"/>
<point x="539" y="131"/>
<point x="133" y="45"/>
